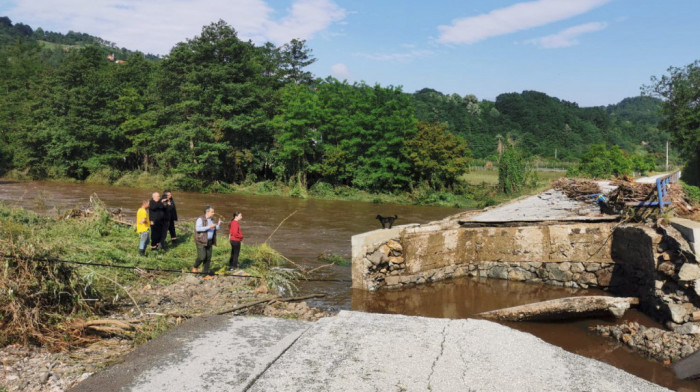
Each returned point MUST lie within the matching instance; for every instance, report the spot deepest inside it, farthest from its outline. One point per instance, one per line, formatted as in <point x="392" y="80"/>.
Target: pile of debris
<point x="627" y="193"/>
<point x="577" y="189"/>
<point x="663" y="346"/>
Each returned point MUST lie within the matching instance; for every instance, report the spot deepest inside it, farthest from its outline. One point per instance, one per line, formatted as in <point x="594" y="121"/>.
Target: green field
<point x="490" y="176"/>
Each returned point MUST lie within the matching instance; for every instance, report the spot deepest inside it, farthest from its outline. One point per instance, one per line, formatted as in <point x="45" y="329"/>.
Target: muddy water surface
<point x="318" y="226"/>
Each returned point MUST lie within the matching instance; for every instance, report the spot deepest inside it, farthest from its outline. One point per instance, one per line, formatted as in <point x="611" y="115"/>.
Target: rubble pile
<point x="627" y="193"/>
<point x="663" y="346"/>
<point x="577" y="189"/>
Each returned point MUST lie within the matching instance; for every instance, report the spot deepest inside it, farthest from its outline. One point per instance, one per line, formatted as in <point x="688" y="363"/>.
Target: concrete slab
<point x="551" y="205"/>
<point x="360" y="241"/>
<point x="213" y="353"/>
<point x="357" y="351"/>
<point x="689" y="229"/>
<point x="373" y="352"/>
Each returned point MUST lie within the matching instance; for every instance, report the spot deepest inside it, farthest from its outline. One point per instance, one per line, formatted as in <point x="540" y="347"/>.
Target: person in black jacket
<point x="156" y="212"/>
<point x="171" y="217"/>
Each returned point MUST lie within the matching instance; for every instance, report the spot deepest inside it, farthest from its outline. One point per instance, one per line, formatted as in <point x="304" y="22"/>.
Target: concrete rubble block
<point x="604" y="276"/>
<point x="553" y="271"/>
<point x="375" y="257"/>
<point x="517" y="274"/>
<point x="392" y="280"/>
<point x="498" y="272"/>
<point x="667" y="268"/>
<point x="689" y="229"/>
<point x="394" y="245"/>
<point x="677" y="313"/>
<point x="396" y="260"/>
<point x="588" y="278"/>
<point x="695" y="316"/>
<point x="385" y="250"/>
<point x="535" y="264"/>
<point x="696" y="287"/>
<point x="689" y="272"/>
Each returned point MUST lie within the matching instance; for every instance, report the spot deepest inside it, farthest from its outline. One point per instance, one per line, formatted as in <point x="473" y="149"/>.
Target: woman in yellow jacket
<point x="143" y="226"/>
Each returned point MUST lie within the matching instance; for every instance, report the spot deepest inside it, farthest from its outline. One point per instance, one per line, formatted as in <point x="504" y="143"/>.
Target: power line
<point x="133" y="268"/>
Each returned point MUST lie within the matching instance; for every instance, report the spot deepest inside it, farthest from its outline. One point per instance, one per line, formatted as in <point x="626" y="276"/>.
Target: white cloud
<point x="567" y="37"/>
<point x="397" y="56"/>
<point x="340" y="71"/>
<point x="517" y="17"/>
<point x="305" y="19"/>
<point x="155" y="26"/>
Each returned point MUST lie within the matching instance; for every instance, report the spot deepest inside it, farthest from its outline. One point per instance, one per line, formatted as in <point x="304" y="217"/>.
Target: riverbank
<point x="76" y="295"/>
<point x="159" y="308"/>
<point x="477" y="189"/>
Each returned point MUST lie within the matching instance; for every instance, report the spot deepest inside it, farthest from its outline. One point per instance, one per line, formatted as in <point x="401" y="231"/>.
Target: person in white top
<point x="205" y="239"/>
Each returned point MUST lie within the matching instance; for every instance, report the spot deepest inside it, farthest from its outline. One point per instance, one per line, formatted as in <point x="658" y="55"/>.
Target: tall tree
<point x="438" y="157"/>
<point x="294" y="57"/>
<point x="215" y="93"/>
<point x="297" y="139"/>
<point x="680" y="91"/>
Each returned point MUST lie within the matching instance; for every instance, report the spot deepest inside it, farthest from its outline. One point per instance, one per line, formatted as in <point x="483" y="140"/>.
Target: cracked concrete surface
<point x="551" y="205"/>
<point x="357" y="351"/>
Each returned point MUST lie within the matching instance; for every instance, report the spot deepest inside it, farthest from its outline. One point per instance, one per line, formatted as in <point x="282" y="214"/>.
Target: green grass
<point x="490" y="177"/>
<point x="45" y="284"/>
<point x="99" y="240"/>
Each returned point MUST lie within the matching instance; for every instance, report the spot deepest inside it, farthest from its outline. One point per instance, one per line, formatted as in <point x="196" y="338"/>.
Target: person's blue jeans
<point x="144" y="240"/>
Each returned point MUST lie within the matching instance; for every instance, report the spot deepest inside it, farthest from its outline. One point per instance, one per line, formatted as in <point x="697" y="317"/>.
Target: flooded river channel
<point x="319" y="226"/>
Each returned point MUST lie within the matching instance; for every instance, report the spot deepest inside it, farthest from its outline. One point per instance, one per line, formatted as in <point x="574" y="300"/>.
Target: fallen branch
<point x="562" y="308"/>
<point x="105" y="326"/>
<point x="278" y="226"/>
<point x="273" y="299"/>
<point x="123" y="288"/>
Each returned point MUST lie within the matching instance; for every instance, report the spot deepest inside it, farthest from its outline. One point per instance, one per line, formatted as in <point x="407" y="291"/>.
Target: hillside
<point x="543" y="125"/>
<point x="10" y="33"/>
<point x="227" y="111"/>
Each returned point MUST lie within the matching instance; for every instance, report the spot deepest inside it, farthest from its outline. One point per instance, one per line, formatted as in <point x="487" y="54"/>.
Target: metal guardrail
<point x="662" y="185"/>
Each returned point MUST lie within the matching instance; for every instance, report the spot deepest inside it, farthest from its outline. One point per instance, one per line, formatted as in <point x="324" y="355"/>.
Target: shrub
<point x="513" y="171"/>
<point x="692" y="192"/>
<point x="266" y="266"/>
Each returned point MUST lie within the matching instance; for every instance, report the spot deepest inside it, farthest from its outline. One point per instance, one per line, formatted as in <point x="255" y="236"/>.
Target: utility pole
<point x="666" y="155"/>
<point x="555" y="154"/>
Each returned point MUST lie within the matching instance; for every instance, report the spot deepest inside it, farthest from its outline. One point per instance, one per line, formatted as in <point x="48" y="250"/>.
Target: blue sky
<point x="593" y="52"/>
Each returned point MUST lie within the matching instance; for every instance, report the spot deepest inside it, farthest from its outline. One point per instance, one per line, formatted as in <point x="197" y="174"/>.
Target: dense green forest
<point x="217" y="109"/>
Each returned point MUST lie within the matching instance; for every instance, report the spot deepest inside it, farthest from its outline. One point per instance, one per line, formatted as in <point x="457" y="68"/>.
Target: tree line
<point x="220" y="109"/>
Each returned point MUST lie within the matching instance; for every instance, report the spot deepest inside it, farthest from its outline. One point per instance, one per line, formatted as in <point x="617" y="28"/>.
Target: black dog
<point x="387" y="219"/>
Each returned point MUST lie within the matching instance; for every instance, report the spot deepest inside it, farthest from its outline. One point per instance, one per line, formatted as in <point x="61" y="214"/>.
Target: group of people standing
<point x="205" y="239"/>
<point x="155" y="219"/>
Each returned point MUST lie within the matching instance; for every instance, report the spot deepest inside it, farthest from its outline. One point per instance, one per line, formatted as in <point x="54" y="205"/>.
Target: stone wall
<point x="655" y="265"/>
<point x="572" y="255"/>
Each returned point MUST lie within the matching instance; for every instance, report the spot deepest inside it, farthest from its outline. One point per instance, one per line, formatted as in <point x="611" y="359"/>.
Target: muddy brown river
<point x="318" y="226"/>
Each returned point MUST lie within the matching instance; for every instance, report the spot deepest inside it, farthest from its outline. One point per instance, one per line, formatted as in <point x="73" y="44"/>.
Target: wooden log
<point x="563" y="308"/>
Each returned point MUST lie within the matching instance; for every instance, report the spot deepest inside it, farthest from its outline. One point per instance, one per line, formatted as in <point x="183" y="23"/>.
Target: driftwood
<point x="105" y="326"/>
<point x="273" y="299"/>
<point x="563" y="308"/>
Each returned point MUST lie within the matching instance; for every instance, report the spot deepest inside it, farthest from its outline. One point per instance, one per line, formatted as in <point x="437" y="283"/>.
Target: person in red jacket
<point x="235" y="236"/>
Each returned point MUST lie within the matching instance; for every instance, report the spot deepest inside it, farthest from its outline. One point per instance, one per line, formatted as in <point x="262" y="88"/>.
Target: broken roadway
<point x="355" y="351"/>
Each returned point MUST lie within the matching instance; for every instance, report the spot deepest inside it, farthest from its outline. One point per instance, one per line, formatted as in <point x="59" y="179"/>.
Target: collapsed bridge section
<point x="573" y="246"/>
